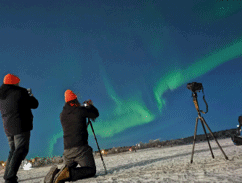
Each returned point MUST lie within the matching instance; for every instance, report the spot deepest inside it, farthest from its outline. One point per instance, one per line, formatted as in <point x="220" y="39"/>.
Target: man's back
<point x="73" y="120"/>
<point x="15" y="106"/>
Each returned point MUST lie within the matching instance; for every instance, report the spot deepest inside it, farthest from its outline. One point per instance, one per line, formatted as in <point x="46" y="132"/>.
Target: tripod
<point x="194" y="95"/>
<point x="89" y="122"/>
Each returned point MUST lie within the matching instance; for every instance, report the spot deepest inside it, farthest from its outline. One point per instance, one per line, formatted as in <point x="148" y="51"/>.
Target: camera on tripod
<point x="87" y="103"/>
<point x="238" y="130"/>
<point x="194" y="87"/>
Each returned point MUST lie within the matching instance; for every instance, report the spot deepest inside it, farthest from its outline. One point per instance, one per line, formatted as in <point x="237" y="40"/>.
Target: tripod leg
<point x="195" y="132"/>
<point x="97" y="145"/>
<point x="207" y="138"/>
<point x="214" y="137"/>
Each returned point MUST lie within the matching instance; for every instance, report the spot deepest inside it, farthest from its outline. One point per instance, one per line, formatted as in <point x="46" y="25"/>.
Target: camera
<point x="238" y="130"/>
<point x="87" y="103"/>
<point x="29" y="91"/>
<point x="240" y="120"/>
<point x="194" y="87"/>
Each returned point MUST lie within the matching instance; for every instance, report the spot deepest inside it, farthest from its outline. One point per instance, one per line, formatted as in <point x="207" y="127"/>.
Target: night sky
<point x="133" y="58"/>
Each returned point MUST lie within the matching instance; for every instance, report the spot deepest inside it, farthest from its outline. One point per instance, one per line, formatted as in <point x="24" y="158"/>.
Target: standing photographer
<point x="76" y="148"/>
<point x="15" y="106"/>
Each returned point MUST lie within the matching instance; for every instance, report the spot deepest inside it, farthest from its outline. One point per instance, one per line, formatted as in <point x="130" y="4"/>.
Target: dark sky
<point x="132" y="58"/>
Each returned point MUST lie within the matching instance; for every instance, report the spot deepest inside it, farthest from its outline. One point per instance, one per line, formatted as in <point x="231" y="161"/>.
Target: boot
<point x="51" y="174"/>
<point x="62" y="175"/>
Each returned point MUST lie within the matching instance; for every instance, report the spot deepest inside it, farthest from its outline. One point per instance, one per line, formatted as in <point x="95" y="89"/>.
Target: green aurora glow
<point x="178" y="77"/>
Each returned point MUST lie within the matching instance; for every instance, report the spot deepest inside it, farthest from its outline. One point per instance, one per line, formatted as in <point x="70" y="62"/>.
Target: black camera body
<point x="86" y="103"/>
<point x="238" y="130"/>
<point x="240" y="120"/>
<point x="194" y="86"/>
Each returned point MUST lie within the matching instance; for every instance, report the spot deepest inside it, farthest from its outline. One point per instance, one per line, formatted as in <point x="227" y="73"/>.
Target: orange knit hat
<point x="69" y="95"/>
<point x="11" y="79"/>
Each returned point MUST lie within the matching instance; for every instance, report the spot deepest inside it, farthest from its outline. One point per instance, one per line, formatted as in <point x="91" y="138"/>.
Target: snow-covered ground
<point x="170" y="164"/>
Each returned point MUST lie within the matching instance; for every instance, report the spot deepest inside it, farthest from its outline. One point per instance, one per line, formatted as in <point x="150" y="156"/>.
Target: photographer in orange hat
<point x="76" y="148"/>
<point x="15" y="105"/>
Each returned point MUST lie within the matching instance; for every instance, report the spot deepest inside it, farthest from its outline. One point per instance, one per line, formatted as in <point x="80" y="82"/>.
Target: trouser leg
<point x="12" y="149"/>
<point x="84" y="157"/>
<point x="21" y="143"/>
<point x="87" y="163"/>
<point x="82" y="172"/>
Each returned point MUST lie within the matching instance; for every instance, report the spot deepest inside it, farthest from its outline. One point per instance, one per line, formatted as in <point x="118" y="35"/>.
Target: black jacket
<point x="15" y="106"/>
<point x="74" y="124"/>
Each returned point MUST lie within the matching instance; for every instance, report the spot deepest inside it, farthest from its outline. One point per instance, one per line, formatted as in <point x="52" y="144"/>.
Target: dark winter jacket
<point x="15" y="106"/>
<point x="74" y="124"/>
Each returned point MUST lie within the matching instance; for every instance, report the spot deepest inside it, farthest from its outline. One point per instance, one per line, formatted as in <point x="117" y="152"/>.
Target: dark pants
<point x="84" y="157"/>
<point x="19" y="148"/>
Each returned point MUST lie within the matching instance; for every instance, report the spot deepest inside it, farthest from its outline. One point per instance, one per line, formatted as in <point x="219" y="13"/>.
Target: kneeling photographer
<point x="76" y="148"/>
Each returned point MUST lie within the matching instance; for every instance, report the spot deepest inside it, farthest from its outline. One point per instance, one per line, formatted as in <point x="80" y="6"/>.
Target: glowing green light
<point x="177" y="77"/>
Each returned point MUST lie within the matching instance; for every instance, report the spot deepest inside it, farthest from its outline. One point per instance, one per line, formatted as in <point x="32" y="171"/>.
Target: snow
<point x="27" y="166"/>
<point x="168" y="164"/>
